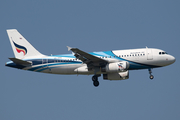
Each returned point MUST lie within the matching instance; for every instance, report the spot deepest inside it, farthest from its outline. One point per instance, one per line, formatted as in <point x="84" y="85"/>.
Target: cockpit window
<point x="162" y="53"/>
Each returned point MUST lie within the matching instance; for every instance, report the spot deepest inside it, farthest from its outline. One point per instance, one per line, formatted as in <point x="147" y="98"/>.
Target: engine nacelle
<point x="116" y="67"/>
<point x="116" y="76"/>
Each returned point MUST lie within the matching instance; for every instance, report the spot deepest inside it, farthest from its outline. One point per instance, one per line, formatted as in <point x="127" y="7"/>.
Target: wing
<point x="87" y="58"/>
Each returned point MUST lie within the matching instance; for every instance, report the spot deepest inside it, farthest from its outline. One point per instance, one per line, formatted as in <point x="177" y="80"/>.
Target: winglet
<point x="69" y="48"/>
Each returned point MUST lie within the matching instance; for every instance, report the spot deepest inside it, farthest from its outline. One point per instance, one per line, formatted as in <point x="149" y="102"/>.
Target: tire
<point x="96" y="83"/>
<point x="151" y="77"/>
<point x="94" y="78"/>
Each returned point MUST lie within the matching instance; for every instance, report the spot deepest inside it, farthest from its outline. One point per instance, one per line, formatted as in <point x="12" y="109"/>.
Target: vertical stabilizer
<point x="21" y="47"/>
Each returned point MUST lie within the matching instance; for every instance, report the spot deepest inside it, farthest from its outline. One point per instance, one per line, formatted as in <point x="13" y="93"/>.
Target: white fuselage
<point x="67" y="64"/>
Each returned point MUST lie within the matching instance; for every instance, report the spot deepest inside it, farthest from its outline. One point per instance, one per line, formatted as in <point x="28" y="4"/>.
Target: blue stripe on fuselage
<point x="48" y="66"/>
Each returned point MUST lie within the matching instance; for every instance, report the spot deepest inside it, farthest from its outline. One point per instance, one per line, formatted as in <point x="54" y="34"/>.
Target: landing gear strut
<point x="95" y="80"/>
<point x="151" y="76"/>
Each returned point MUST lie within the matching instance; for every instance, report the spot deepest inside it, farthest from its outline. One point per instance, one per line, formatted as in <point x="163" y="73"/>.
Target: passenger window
<point x="159" y="53"/>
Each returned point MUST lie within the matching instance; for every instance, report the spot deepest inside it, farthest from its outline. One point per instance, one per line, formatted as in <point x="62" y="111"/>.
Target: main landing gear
<point x="151" y="76"/>
<point x="95" y="80"/>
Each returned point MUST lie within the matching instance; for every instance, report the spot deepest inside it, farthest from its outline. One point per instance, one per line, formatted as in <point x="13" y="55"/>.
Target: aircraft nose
<point x="172" y="59"/>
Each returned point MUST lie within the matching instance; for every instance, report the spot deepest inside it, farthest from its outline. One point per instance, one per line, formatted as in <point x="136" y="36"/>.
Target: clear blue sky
<point x="94" y="25"/>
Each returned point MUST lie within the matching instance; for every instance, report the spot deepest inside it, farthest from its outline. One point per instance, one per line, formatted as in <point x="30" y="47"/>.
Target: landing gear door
<point x="149" y="54"/>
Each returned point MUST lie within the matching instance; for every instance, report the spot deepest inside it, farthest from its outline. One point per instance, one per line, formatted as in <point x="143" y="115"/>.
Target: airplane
<point x="113" y="65"/>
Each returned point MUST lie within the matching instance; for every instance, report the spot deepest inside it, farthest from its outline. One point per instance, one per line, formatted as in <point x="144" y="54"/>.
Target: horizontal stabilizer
<point x="20" y="62"/>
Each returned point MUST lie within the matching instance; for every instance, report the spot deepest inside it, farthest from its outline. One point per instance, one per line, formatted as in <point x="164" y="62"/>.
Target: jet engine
<point x="116" y="76"/>
<point x="116" y="67"/>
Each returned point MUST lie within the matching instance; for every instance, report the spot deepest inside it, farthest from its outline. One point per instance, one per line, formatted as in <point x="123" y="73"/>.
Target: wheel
<point x="94" y="78"/>
<point x="96" y="83"/>
<point x="151" y="77"/>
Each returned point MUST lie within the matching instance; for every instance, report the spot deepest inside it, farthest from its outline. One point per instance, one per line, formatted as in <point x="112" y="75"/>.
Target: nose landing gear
<point x="151" y="76"/>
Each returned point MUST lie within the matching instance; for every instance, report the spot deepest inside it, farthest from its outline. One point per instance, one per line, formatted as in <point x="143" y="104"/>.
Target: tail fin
<point x="21" y="47"/>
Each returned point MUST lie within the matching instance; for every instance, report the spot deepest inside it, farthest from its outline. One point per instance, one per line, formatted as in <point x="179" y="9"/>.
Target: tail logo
<point x="20" y="48"/>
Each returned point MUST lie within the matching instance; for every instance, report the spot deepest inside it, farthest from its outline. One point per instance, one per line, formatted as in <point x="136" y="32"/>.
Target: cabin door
<point x="149" y="54"/>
